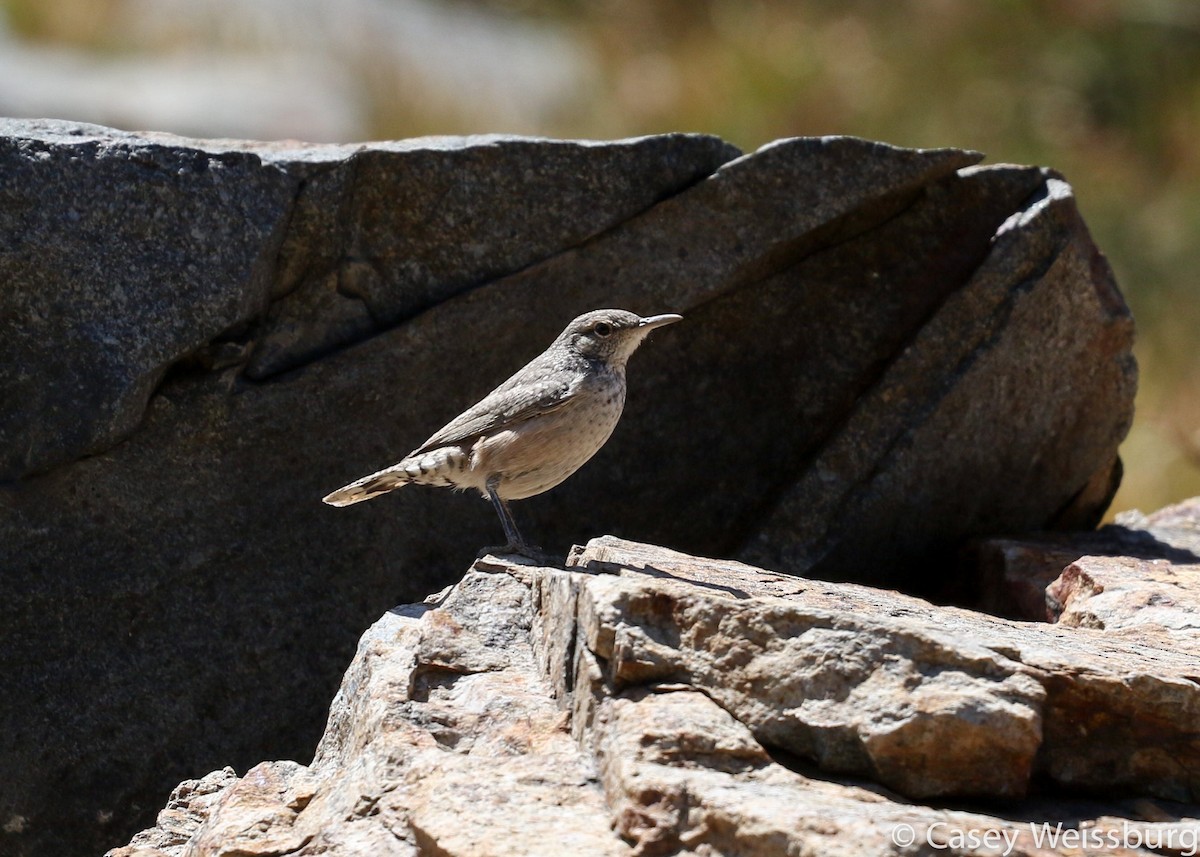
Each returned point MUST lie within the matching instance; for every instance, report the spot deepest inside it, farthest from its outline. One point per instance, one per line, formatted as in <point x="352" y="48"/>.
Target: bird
<point x="533" y="431"/>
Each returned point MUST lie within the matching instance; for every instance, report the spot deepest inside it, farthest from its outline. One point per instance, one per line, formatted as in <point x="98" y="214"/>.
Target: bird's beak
<point x="650" y="322"/>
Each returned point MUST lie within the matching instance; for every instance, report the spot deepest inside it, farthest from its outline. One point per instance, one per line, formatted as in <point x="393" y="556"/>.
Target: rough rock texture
<point x="1142" y="569"/>
<point x="927" y="701"/>
<point x="644" y="701"/>
<point x="125" y="253"/>
<point x="886" y="351"/>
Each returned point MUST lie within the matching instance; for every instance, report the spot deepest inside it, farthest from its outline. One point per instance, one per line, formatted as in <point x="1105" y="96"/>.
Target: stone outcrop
<point x="643" y="701"/>
<point x="1139" y="570"/>
<point x="885" y="352"/>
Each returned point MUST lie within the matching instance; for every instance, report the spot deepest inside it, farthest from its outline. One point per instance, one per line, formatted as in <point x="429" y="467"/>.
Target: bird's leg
<point x="511" y="533"/>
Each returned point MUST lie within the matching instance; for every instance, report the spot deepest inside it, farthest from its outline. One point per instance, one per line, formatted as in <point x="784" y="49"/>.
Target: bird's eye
<point x="603" y="329"/>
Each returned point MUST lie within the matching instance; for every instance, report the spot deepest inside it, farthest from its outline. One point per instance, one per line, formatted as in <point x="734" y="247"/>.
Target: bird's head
<point x="611" y="335"/>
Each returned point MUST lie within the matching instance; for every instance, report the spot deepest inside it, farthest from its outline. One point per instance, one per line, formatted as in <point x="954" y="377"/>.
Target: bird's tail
<point x="369" y="486"/>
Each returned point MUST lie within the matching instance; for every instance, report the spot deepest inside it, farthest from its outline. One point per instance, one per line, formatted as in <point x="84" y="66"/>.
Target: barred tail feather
<point x="369" y="486"/>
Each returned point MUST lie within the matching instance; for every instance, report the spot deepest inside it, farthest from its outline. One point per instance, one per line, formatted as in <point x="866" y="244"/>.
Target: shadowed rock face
<point x="885" y="352"/>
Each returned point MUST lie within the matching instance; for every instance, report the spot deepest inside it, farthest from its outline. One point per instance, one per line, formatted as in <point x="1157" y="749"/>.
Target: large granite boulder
<point x="885" y="352"/>
<point x="642" y="701"/>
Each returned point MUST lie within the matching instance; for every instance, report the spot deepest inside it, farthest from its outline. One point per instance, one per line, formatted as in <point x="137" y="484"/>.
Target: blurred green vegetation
<point x="1105" y="91"/>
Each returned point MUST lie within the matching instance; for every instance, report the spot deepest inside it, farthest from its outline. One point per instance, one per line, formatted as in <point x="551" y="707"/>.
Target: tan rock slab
<point x="646" y="702"/>
<point x="927" y="700"/>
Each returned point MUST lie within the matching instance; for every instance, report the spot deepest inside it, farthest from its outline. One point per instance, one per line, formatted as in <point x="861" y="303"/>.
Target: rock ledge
<point x="642" y="701"/>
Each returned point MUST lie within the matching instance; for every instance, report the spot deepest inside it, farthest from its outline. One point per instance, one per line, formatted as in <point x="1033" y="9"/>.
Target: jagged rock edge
<point x="771" y="500"/>
<point x="1002" y="310"/>
<point x="786" y="254"/>
<point x="848" y="226"/>
<point x="186" y="363"/>
<point x="390" y="326"/>
<point x="584" y="705"/>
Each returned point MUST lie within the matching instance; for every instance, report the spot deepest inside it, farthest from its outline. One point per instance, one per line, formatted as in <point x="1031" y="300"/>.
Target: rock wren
<point x="535" y="429"/>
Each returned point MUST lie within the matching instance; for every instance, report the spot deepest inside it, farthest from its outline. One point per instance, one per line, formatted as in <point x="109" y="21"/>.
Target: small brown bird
<point x="535" y="429"/>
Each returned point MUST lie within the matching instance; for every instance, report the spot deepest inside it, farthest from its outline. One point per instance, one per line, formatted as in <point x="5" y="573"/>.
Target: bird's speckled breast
<point x="539" y="453"/>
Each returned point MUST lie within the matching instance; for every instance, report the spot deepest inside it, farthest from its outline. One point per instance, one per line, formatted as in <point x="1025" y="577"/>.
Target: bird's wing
<point x="505" y="406"/>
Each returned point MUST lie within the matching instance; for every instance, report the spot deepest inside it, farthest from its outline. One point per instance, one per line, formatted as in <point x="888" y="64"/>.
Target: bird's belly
<point x="538" y="454"/>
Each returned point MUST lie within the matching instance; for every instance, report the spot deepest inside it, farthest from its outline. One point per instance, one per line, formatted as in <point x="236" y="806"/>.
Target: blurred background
<point x="1106" y="91"/>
